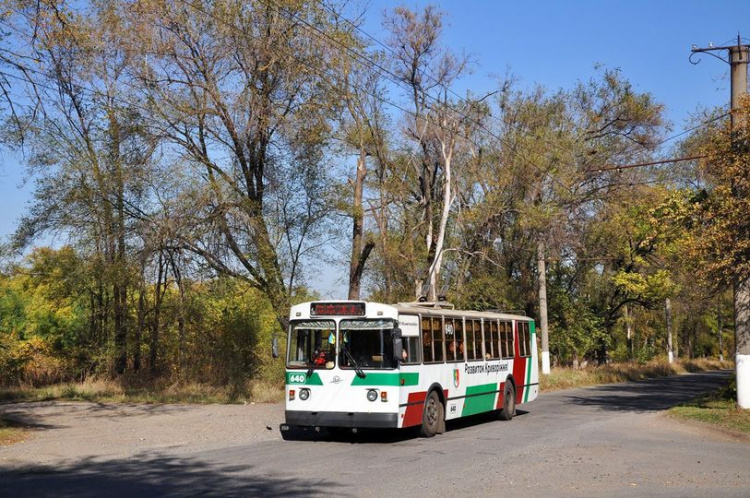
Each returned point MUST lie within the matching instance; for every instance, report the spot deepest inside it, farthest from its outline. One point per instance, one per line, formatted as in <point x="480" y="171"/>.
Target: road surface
<point x="612" y="440"/>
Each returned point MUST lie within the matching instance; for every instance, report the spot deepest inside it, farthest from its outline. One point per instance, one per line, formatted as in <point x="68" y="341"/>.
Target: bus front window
<point x="366" y="344"/>
<point x="312" y="344"/>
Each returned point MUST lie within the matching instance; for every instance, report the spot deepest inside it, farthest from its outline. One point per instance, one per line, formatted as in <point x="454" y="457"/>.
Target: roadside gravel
<point x="68" y="431"/>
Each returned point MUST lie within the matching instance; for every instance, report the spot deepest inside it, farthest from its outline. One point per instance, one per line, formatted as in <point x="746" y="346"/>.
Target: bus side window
<point x="427" y="342"/>
<point x="432" y="339"/>
<point x="411" y="345"/>
<point x="473" y="340"/>
<point x="524" y="344"/>
<point x="478" y="339"/>
<point x="491" y="343"/>
<point x="437" y="336"/>
<point x="459" y="324"/>
<point x="450" y="340"/>
<point x="506" y="339"/>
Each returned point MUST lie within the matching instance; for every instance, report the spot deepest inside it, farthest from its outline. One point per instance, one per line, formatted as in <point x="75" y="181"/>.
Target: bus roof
<point x="447" y="309"/>
<point x="441" y="308"/>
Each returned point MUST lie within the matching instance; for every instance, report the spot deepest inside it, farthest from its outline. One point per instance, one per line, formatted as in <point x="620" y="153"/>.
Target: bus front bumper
<point x="342" y="419"/>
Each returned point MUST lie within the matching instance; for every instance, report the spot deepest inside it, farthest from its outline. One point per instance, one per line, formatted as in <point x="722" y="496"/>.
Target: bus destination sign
<point x="344" y="309"/>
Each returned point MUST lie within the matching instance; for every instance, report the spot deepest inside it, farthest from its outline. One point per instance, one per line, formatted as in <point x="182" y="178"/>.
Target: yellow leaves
<point x="650" y="287"/>
<point x="718" y="218"/>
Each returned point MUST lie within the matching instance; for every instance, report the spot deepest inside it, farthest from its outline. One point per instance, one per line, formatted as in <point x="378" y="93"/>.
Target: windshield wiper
<point x="357" y="368"/>
<point x="310" y="370"/>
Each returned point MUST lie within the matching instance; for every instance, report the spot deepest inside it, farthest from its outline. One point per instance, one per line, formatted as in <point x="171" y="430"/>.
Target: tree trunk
<point x="154" y="343"/>
<point x="139" y="328"/>
<point x="359" y="253"/>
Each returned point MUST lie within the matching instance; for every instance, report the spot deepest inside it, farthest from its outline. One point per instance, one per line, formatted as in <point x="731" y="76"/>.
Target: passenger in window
<point x="427" y="346"/>
<point x="452" y="351"/>
<point x="320" y="357"/>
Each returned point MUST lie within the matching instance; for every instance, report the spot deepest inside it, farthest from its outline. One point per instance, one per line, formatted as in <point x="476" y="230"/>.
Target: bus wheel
<point x="432" y="416"/>
<point x="509" y="402"/>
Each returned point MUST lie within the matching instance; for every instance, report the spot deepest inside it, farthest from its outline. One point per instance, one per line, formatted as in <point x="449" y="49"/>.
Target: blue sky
<point x="555" y="44"/>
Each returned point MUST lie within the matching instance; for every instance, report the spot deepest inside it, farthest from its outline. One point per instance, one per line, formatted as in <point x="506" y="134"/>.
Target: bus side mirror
<point x="398" y="345"/>
<point x="275" y="347"/>
<point x="398" y="349"/>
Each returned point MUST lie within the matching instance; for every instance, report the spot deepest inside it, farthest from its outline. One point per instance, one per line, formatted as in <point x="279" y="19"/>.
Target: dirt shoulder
<point x="65" y="431"/>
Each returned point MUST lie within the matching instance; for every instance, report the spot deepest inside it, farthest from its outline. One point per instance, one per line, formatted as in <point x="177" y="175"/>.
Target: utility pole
<point x="719" y="326"/>
<point x="631" y="338"/>
<point x="670" y="350"/>
<point x="542" y="270"/>
<point x="738" y="60"/>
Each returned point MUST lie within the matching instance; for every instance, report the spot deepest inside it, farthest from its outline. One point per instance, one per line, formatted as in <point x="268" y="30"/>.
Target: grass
<point x="718" y="409"/>
<point x="134" y="391"/>
<point x="569" y="378"/>
<point x="12" y="432"/>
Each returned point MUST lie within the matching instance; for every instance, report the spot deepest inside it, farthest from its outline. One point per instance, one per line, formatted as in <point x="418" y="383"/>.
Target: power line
<point x="395" y="79"/>
<point x="650" y="163"/>
<point x="699" y="125"/>
<point x="449" y="90"/>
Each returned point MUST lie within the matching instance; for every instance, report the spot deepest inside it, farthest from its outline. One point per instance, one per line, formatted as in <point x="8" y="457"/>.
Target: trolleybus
<point x="358" y="364"/>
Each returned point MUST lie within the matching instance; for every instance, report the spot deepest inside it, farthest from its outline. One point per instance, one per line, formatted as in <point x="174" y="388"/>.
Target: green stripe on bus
<point x="479" y="399"/>
<point x="387" y="379"/>
<point x="301" y="378"/>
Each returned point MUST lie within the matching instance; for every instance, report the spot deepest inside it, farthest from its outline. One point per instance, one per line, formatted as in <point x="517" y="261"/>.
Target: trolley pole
<point x="738" y="60"/>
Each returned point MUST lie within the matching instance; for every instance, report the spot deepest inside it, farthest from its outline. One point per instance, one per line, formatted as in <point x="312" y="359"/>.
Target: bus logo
<point x="336" y="380"/>
<point x="455" y="378"/>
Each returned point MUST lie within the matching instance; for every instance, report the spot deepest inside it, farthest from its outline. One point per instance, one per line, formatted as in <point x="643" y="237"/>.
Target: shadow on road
<point x="146" y="476"/>
<point x="32" y="413"/>
<point x="649" y="395"/>
<point x="386" y="436"/>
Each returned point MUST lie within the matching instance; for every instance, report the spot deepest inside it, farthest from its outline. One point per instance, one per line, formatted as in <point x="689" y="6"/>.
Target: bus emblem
<point x="455" y="378"/>
<point x="336" y="380"/>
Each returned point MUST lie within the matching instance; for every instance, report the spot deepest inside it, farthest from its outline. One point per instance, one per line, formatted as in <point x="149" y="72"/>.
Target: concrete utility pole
<point x="719" y="326"/>
<point x="542" y="270"/>
<point x="738" y="60"/>
<point x="670" y="349"/>
<point x="631" y="337"/>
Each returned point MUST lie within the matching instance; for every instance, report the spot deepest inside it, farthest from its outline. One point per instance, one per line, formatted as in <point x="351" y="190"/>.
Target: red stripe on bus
<point x="519" y="366"/>
<point x="499" y="404"/>
<point x="413" y="414"/>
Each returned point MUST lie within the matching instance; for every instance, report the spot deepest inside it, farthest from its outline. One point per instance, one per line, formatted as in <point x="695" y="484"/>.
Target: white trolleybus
<point x="355" y="364"/>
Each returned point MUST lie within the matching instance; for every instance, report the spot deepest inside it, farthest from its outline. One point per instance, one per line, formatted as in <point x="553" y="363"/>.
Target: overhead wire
<point x="369" y="36"/>
<point x="451" y="91"/>
<point x="391" y="77"/>
<point x="394" y="79"/>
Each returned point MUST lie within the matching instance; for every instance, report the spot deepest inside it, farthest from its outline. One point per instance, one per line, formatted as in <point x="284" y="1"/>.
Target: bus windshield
<point x="366" y="344"/>
<point x="312" y="344"/>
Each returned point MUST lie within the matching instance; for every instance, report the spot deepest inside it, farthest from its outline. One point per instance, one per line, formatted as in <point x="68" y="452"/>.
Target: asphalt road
<point x="612" y="440"/>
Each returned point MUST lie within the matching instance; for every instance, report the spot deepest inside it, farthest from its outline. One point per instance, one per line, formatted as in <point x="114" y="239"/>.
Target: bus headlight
<point x="304" y="394"/>
<point x="372" y="395"/>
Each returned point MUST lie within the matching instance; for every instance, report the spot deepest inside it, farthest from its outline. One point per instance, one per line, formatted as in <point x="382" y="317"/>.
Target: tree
<point x="362" y="130"/>
<point x="716" y="220"/>
<point x="235" y="90"/>
<point x="88" y="147"/>
<point x="437" y="125"/>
